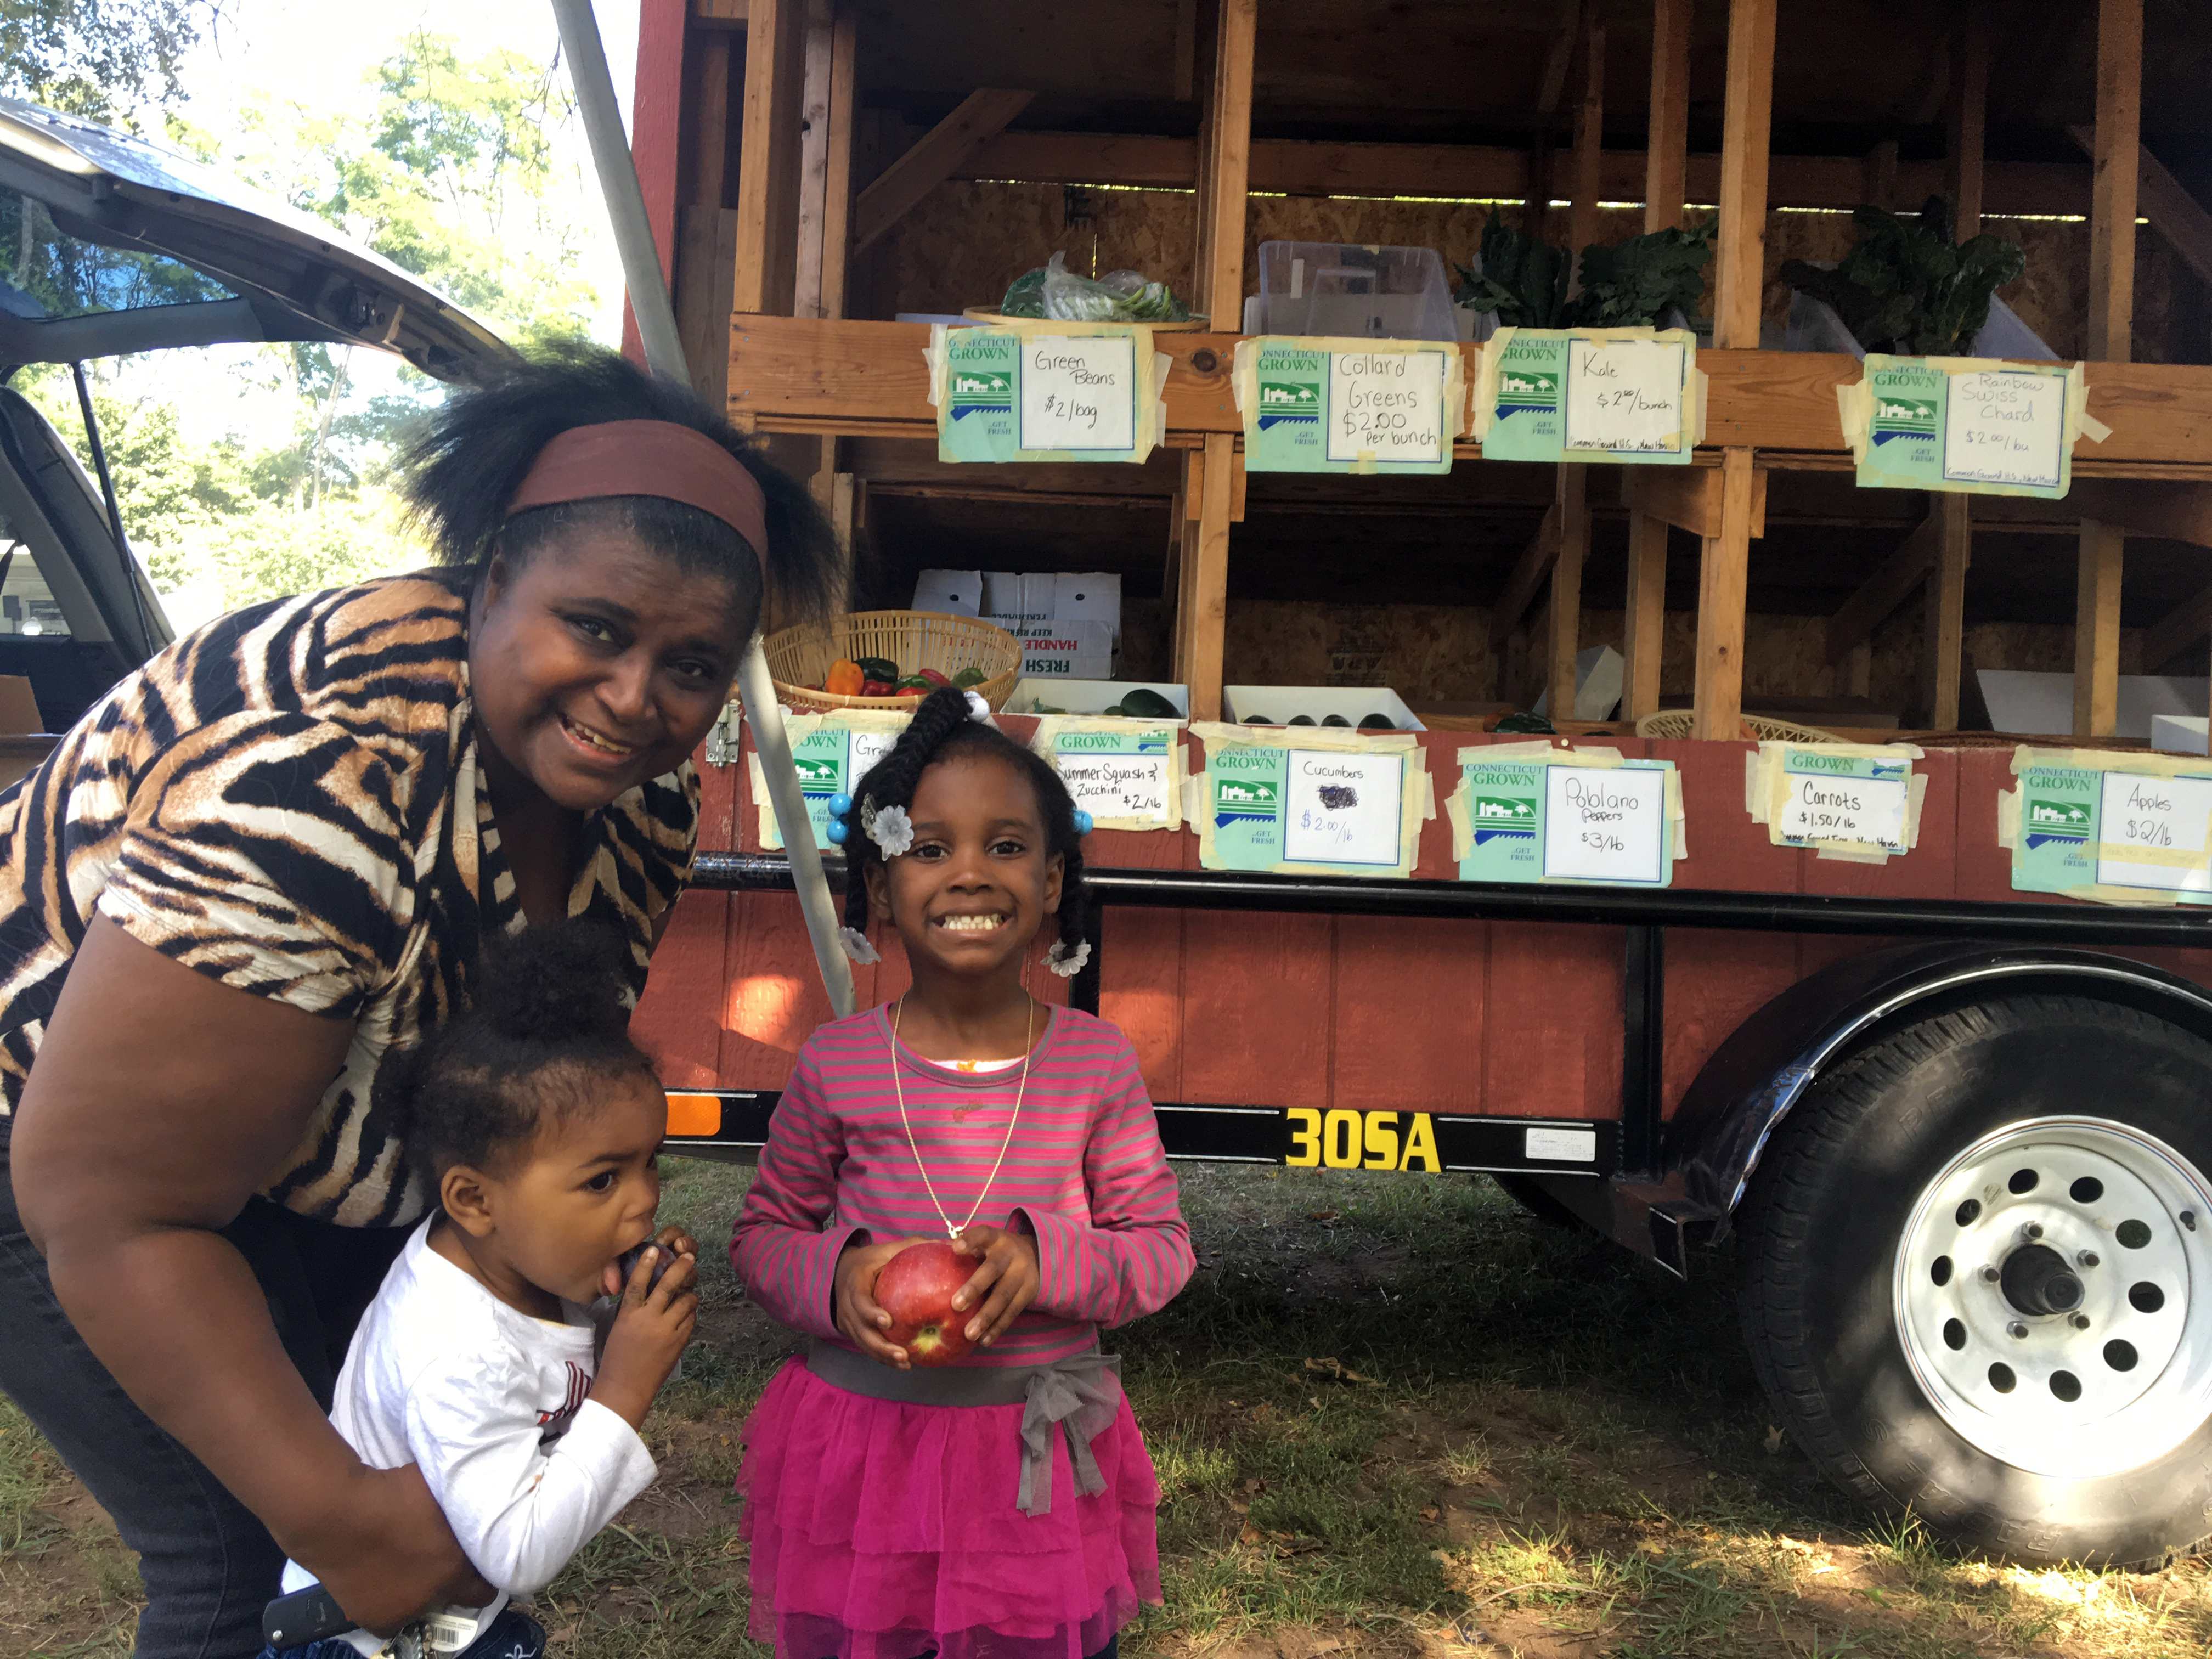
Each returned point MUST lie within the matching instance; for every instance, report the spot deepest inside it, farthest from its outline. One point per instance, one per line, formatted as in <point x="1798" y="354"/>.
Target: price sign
<point x="1854" y="798"/>
<point x="1625" y="397"/>
<point x="2152" y="832"/>
<point x="2006" y="427"/>
<point x="1079" y="392"/>
<point x="1387" y="406"/>
<point x="829" y="760"/>
<point x="1121" y="777"/>
<point x="1343" y="808"/>
<point x="1606" y="824"/>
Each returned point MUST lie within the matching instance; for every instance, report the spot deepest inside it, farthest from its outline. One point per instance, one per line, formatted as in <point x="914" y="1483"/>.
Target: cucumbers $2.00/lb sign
<point x="1338" y="809"/>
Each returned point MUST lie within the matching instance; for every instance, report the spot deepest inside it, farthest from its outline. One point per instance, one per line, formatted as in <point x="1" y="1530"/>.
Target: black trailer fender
<point x="1711" y="1146"/>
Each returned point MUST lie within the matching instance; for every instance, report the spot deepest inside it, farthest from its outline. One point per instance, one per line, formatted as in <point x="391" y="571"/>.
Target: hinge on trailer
<point x="722" y="737"/>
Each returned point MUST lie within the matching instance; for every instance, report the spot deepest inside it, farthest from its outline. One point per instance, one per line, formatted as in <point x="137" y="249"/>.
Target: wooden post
<point x="1589" y="144"/>
<point x="767" y="158"/>
<point x="706" y="231"/>
<point x="837" y="183"/>
<point x="1647" y="616"/>
<point x="1666" y="151"/>
<point x="813" y="173"/>
<point x="2116" y="148"/>
<point x="1572" y="492"/>
<point x="1226" y="160"/>
<point x="1722" y="574"/>
<point x="1947" y="610"/>
<point x="1969" y="115"/>
<point x="1202" y="609"/>
<point x="1724" y="569"/>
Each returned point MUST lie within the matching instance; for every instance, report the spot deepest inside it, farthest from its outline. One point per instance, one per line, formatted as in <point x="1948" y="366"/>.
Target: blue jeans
<point x="207" y="1565"/>
<point x="514" y="1635"/>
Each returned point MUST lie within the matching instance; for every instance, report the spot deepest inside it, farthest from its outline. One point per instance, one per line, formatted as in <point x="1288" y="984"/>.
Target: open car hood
<point x="274" y="273"/>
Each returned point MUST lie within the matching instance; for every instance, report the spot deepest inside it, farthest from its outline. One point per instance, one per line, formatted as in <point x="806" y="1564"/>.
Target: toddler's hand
<point x="853" y="1300"/>
<point x="671" y="1241"/>
<point x="1009" y="1274"/>
<point x="651" y="1330"/>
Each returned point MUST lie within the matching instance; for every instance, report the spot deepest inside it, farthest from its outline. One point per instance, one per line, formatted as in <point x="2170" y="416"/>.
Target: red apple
<point x="916" y="1288"/>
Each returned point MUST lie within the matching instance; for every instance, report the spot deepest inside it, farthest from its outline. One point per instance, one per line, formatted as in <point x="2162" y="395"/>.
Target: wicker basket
<point x="1676" y="723"/>
<point x="798" y="659"/>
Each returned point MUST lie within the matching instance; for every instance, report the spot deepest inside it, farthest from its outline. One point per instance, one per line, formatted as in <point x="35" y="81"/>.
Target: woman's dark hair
<point x="942" y="727"/>
<point x="548" y="1029"/>
<point x="467" y="464"/>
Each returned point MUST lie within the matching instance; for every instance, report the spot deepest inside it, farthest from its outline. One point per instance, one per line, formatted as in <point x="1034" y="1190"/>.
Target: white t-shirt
<point x="489" y="1404"/>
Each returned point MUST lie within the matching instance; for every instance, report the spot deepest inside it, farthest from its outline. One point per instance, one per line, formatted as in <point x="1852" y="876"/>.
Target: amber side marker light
<point x="694" y="1114"/>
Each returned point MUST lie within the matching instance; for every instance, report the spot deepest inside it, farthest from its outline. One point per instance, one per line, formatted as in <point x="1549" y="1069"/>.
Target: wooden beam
<point x="1723" y="585"/>
<point x="981" y="115"/>
<point x="2175" y="632"/>
<point x="1968" y="118"/>
<point x="721" y="13"/>
<point x="710" y="136"/>
<point x="1558" y="62"/>
<point x="2172" y="212"/>
<point x="1747" y="118"/>
<point x="1529" y="571"/>
<point x="1882" y="175"/>
<point x="705" y="276"/>
<point x="1644" y="635"/>
<point x="1667" y="153"/>
<point x="837" y="182"/>
<point x="1889" y="585"/>
<point x="1566" y="608"/>
<point x="1228" y="140"/>
<point x="1204" y="610"/>
<point x="1186" y="51"/>
<point x="2097" y="631"/>
<point x="767" y="157"/>
<point x="813" y="174"/>
<point x="1943" y="659"/>
<point x="2114" y="158"/>
<point x="1589" y="143"/>
<point x="1688" y="497"/>
<point x="656" y="135"/>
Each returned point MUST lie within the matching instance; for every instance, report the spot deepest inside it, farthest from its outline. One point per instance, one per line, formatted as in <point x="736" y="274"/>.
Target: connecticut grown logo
<point x="1527" y="390"/>
<point x="1511" y="816"/>
<point x="1237" y="800"/>
<point x="1289" y="403"/>
<point x="2056" y="820"/>
<point x="1903" y="417"/>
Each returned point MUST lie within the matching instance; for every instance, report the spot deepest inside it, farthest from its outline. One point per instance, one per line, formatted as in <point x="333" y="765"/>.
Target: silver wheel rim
<point x="2126" y="1376"/>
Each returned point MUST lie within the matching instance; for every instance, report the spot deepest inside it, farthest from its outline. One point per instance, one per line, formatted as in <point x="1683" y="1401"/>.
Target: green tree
<point x="99" y="59"/>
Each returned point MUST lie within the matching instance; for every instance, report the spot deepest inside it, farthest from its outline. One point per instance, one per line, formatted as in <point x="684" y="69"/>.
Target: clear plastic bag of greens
<point x="1144" y="301"/>
<point x="1069" y="298"/>
<point x="1054" y="291"/>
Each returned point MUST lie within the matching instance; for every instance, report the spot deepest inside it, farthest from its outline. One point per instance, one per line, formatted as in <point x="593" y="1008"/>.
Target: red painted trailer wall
<point x="1514" y="1019"/>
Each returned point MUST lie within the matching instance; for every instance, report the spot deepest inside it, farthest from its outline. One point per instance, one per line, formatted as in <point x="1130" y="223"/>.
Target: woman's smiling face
<point x="598" y="663"/>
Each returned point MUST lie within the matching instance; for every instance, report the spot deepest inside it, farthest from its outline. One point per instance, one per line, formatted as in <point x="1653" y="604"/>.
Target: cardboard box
<point x="1089" y="696"/>
<point x="1002" y="593"/>
<point x="1088" y="596"/>
<point x="2041" y="704"/>
<point x="2178" y="734"/>
<point x="1062" y="650"/>
<point x="960" y="591"/>
<point x="1276" y="705"/>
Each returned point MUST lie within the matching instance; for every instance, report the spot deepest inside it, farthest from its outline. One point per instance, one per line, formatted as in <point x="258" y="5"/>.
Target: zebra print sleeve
<point x="271" y="851"/>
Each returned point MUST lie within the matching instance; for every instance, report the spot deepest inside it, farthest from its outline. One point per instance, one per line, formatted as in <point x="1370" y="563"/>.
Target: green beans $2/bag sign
<point x="1052" y="392"/>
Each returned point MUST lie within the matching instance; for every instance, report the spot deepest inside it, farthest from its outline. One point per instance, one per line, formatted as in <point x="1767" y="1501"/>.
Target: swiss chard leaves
<point x="1906" y="288"/>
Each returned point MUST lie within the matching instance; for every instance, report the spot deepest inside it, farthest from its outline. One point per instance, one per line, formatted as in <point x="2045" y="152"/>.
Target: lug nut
<point x="2080" y="1321"/>
<point x="2188" y="1220"/>
<point x="2086" y="1259"/>
<point x="2019" y="1331"/>
<point x="2032" y="1230"/>
<point x="1990" y="1275"/>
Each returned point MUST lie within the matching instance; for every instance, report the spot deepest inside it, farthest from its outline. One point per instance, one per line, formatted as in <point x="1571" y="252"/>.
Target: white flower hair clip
<point x="978" y="710"/>
<point x="1066" y="963"/>
<point x="857" y="947"/>
<point x="888" y="827"/>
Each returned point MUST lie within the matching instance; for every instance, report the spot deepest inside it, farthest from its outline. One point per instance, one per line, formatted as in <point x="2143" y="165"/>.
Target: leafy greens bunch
<point x="1633" y="284"/>
<point x="1906" y="287"/>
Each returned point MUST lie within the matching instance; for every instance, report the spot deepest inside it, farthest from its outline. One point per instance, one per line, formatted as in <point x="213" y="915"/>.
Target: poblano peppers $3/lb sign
<point x="1052" y="392"/>
<point x="2127" y="829"/>
<point x="1549" y="820"/>
<point x="1325" y="405"/>
<point x="1966" y="424"/>
<point x="1599" y="394"/>
<point x="831" y="758"/>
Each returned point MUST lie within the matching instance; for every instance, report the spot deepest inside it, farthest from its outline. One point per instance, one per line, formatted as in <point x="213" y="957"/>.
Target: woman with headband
<point x="272" y="854"/>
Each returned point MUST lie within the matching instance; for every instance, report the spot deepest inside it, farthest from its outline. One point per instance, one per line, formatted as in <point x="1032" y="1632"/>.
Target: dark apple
<point x="915" y="1288"/>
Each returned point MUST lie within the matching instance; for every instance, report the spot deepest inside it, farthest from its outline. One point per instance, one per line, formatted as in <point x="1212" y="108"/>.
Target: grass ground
<point x="1392" y="1415"/>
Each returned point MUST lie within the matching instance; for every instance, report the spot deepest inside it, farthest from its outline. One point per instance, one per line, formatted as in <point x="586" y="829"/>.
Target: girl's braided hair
<point x="943" y="727"/>
<point x="548" y="1030"/>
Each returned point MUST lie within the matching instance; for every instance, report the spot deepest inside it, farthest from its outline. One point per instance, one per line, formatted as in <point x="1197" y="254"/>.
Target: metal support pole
<point x="664" y="353"/>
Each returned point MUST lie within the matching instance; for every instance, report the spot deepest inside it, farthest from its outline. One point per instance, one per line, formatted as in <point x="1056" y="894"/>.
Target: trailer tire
<point x="1961" y="1145"/>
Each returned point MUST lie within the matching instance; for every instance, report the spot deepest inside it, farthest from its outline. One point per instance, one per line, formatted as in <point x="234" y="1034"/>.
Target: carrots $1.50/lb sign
<point x="1345" y="1139"/>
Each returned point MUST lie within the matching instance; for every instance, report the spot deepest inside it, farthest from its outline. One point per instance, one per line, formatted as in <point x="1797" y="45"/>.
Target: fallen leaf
<point x="1336" y="1370"/>
<point x="1324" y="1215"/>
<point x="1249" y="1535"/>
<point x="1430" y="1512"/>
<point x="1237" y="1506"/>
<point x="1253" y="1483"/>
<point x="1774" y="1439"/>
<point x="1796" y="1546"/>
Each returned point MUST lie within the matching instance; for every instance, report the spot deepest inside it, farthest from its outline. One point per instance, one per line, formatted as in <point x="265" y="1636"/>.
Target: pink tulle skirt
<point x="884" y="1531"/>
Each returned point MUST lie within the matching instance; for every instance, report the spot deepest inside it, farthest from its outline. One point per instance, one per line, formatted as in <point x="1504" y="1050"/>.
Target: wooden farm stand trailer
<point x="1964" y="1134"/>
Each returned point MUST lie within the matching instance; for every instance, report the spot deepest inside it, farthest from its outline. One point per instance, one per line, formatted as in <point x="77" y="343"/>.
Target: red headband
<point x="647" y="458"/>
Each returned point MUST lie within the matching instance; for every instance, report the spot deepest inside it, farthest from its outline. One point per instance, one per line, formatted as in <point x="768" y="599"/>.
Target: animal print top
<point x="288" y="800"/>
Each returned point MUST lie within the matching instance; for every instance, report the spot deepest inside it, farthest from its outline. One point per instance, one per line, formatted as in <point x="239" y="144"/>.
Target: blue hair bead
<point x="1082" y="821"/>
<point x="840" y="805"/>
<point x="838" y="830"/>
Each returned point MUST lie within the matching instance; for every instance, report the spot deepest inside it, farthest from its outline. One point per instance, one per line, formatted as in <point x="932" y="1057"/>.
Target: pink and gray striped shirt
<point x="1084" y="1174"/>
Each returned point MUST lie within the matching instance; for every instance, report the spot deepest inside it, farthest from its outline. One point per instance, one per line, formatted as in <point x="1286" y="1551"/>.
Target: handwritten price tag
<point x="1343" y="808"/>
<point x="1824" y="807"/>
<point x="2004" y="428"/>
<point x="1606" y="824"/>
<point x="1389" y="405"/>
<point x="1625" y="397"/>
<point x="2165" y="818"/>
<point x="1116" y="786"/>
<point x="1078" y="392"/>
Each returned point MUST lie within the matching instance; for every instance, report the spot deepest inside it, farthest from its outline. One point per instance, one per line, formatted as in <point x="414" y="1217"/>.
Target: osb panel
<point x="1425" y="653"/>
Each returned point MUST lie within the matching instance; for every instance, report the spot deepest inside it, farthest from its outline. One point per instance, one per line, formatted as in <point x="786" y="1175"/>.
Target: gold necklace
<point x="1028" y="1048"/>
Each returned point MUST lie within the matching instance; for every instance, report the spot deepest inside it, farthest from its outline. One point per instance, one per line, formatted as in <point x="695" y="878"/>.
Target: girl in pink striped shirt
<point x="1001" y="1507"/>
